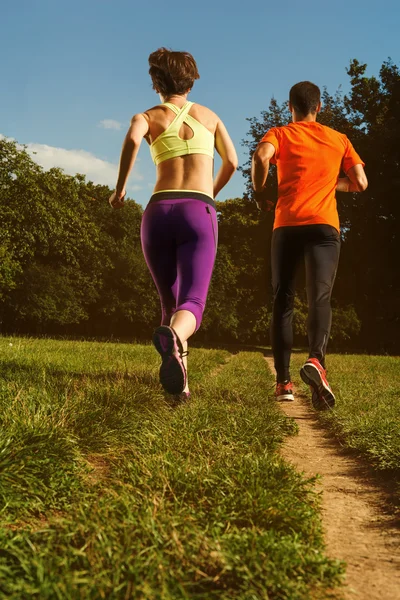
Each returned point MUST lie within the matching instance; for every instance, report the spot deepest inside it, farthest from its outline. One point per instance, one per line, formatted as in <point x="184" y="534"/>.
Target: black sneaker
<point x="172" y="370"/>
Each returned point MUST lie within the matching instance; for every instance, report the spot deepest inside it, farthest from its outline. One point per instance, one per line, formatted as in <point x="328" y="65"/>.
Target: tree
<point x="68" y="258"/>
<point x="373" y="243"/>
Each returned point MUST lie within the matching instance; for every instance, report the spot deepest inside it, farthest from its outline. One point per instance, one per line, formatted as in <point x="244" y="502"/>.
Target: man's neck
<point x="310" y="118"/>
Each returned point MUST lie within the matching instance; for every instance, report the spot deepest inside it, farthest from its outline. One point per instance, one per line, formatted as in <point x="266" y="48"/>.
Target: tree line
<point x="70" y="265"/>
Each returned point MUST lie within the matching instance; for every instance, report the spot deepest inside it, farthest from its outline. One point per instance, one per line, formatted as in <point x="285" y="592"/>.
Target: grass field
<point x="367" y="413"/>
<point x="109" y="490"/>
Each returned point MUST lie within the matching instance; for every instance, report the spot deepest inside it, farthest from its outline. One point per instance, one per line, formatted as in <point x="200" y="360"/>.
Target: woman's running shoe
<point x="314" y="375"/>
<point x="284" y="392"/>
<point x="172" y="370"/>
<point x="182" y="397"/>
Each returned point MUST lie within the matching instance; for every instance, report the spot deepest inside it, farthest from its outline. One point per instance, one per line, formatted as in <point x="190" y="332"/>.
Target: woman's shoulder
<point x="154" y="109"/>
<point x="205" y="116"/>
<point x="203" y="110"/>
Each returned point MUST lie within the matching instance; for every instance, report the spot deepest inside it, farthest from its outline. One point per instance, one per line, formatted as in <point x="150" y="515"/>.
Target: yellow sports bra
<point x="169" y="145"/>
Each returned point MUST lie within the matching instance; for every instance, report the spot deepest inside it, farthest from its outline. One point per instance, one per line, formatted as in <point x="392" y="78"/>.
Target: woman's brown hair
<point x="172" y="72"/>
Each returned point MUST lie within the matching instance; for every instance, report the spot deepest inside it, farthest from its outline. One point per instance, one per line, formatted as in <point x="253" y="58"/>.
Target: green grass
<point x="367" y="412"/>
<point x="109" y="490"/>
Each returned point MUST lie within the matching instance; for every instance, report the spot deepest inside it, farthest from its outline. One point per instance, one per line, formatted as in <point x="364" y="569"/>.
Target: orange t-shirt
<point x="309" y="157"/>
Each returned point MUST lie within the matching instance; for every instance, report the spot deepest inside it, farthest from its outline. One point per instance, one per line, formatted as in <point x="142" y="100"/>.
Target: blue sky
<point x="73" y="73"/>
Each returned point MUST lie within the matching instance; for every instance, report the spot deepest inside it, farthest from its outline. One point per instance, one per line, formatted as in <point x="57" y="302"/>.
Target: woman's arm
<point x="356" y="180"/>
<point x="227" y="152"/>
<point x="130" y="148"/>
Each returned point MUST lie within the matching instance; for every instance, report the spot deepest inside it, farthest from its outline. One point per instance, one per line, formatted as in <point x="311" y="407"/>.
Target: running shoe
<point x="182" y="397"/>
<point x="172" y="370"/>
<point x="284" y="392"/>
<point x="314" y="375"/>
<point x="315" y="400"/>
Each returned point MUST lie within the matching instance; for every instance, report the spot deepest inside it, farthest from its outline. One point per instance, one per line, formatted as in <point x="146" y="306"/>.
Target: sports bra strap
<point x="174" y="108"/>
<point x="179" y="112"/>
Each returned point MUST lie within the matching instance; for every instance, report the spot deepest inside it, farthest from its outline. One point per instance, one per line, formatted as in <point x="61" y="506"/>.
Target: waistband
<point x="182" y="194"/>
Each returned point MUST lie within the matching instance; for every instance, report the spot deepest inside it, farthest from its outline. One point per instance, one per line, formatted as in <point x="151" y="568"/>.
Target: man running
<point x="309" y="158"/>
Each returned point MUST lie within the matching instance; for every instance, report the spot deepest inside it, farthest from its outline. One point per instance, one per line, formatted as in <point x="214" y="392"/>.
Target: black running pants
<point x="319" y="247"/>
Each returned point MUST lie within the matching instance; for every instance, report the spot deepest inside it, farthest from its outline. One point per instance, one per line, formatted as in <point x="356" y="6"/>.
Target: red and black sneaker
<point x="314" y="375"/>
<point x="284" y="392"/>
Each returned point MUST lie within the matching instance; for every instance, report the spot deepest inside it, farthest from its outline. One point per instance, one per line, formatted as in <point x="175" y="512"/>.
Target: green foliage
<point x="67" y="257"/>
<point x="109" y="490"/>
<point x="345" y="323"/>
<point x="9" y="267"/>
<point x="222" y="304"/>
<point x="238" y="298"/>
<point x="372" y="243"/>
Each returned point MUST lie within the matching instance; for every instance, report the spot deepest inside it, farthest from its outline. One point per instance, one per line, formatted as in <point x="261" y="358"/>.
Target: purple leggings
<point x="179" y="241"/>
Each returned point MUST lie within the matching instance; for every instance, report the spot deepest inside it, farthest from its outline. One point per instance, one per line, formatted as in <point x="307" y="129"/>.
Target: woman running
<point x="179" y="229"/>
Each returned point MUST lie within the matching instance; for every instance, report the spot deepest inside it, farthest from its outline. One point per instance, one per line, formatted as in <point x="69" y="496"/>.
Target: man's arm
<point x="130" y="148"/>
<point x="259" y="171"/>
<point x="260" y="165"/>
<point x="355" y="181"/>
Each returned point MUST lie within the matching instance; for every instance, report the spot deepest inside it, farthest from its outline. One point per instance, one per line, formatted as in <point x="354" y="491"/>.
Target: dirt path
<point x="357" y="528"/>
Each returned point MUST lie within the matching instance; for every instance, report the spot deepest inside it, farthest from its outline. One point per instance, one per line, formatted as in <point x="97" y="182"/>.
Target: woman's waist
<point x="181" y="174"/>
<point x="181" y="195"/>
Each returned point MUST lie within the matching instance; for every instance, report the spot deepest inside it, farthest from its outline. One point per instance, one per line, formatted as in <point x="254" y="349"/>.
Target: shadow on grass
<point x="369" y="480"/>
<point x="10" y="370"/>
<point x="59" y="379"/>
<point x="266" y="351"/>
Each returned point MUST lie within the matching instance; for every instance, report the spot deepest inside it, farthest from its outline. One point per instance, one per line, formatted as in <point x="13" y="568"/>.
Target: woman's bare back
<point x="188" y="172"/>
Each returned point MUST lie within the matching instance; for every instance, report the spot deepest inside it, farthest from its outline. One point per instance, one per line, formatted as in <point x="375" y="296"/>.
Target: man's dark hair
<point x="172" y="72"/>
<point x="305" y="97"/>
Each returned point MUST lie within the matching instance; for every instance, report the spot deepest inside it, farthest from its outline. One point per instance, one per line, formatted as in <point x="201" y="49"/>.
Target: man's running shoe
<point x="314" y="375"/>
<point x="172" y="370"/>
<point x="315" y="400"/>
<point x="284" y="392"/>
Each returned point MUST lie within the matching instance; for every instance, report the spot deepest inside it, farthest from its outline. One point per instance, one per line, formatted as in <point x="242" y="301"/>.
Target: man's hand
<point x="117" y="199"/>
<point x="262" y="201"/>
<point x="265" y="205"/>
<point x="356" y="180"/>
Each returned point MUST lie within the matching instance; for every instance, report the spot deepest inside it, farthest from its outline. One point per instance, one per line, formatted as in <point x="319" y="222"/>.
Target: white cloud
<point x="110" y="124"/>
<point x="80" y="161"/>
